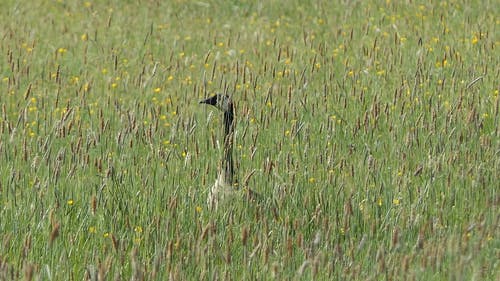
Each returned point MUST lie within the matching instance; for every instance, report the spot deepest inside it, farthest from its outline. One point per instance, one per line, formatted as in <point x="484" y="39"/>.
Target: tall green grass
<point x="372" y="128"/>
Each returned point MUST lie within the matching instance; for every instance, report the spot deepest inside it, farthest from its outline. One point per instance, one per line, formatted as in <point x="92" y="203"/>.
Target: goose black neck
<point x="228" y="121"/>
<point x="228" y="144"/>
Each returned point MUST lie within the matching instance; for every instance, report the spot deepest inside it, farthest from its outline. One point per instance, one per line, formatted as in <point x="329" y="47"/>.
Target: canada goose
<point x="223" y="185"/>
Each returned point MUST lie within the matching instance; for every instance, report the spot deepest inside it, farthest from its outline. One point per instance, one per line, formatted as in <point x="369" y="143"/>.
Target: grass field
<point x="373" y="130"/>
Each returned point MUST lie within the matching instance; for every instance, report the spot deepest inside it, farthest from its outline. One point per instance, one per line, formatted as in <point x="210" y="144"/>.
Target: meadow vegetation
<point x="371" y="129"/>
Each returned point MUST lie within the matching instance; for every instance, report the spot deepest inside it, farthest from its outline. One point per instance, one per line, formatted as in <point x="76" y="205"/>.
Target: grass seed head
<point x="54" y="233"/>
